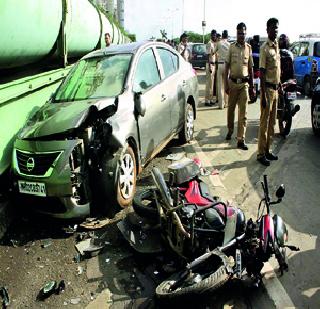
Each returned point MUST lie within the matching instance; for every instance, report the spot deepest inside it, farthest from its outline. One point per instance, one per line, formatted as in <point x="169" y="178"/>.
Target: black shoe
<point x="228" y="137"/>
<point x="242" y="146"/>
<point x="264" y="161"/>
<point x="271" y="157"/>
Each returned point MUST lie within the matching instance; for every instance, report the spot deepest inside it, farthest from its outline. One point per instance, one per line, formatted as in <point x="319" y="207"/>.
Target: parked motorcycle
<point x="286" y="107"/>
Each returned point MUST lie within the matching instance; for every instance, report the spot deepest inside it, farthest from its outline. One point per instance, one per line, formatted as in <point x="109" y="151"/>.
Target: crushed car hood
<point x="55" y="118"/>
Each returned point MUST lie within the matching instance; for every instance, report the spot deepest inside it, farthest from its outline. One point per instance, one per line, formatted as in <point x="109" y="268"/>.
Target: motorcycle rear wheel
<point x="145" y="205"/>
<point x="195" y="283"/>
<point x="285" y="125"/>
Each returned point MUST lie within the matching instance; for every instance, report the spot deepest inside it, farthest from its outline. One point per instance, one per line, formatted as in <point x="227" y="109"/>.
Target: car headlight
<point x="76" y="157"/>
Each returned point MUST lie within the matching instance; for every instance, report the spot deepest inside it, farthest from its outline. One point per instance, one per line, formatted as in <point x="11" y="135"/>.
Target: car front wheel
<point x="118" y="179"/>
<point x="187" y="132"/>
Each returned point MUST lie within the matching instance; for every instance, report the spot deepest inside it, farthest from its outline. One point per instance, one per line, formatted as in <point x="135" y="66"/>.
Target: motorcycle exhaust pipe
<point x="295" y="110"/>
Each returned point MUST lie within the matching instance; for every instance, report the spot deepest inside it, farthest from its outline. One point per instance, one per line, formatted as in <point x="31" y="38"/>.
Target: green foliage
<point x="132" y="37"/>
<point x="195" y="37"/>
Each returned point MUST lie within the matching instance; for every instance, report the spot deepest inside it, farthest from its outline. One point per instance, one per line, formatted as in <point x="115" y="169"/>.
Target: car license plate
<point x="292" y="95"/>
<point x="199" y="56"/>
<point x="33" y="188"/>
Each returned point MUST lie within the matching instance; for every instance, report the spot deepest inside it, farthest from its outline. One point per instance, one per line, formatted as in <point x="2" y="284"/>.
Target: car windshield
<point x="94" y="78"/>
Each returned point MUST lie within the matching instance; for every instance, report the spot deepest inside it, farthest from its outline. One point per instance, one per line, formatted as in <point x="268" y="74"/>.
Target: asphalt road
<point x="36" y="250"/>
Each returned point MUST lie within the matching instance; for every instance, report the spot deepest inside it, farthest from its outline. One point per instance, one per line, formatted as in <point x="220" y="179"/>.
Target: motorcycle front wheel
<point x="208" y="277"/>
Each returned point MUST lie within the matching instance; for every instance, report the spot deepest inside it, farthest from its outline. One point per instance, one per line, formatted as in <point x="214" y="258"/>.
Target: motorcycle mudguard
<point x="281" y="231"/>
<point x="266" y="231"/>
<point x="193" y="195"/>
<point x="142" y="240"/>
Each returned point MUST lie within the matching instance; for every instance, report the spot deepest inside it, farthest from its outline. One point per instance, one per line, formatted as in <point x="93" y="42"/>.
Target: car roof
<point x="129" y="48"/>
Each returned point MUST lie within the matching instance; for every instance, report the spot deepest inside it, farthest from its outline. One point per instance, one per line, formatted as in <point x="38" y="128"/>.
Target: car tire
<point x="307" y="86"/>
<point x="314" y="107"/>
<point x="144" y="204"/>
<point x="187" y="132"/>
<point x="118" y="180"/>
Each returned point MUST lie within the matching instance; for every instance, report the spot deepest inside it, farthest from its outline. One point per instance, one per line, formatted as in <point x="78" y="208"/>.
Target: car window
<point x="169" y="61"/>
<point x="95" y="78"/>
<point x="316" y="48"/>
<point x="304" y="49"/>
<point x="147" y="73"/>
<point x="295" y="49"/>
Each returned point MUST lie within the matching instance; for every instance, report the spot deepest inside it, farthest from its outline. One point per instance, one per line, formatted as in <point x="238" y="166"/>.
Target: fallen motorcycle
<point x="210" y="236"/>
<point x="248" y="252"/>
<point x="180" y="214"/>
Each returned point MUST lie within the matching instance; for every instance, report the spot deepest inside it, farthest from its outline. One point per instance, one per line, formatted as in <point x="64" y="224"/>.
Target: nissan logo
<point x="30" y="164"/>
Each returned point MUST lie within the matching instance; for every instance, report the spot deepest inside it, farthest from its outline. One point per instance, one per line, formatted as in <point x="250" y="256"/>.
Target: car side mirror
<point x="280" y="192"/>
<point x="139" y="104"/>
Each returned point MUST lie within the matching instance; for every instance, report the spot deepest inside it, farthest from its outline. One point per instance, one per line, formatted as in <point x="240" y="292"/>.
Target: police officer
<point x="239" y="83"/>
<point x="210" y="69"/>
<point x="222" y="49"/>
<point x="270" y="84"/>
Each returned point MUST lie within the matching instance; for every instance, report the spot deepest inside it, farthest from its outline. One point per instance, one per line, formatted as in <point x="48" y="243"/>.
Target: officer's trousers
<point x="267" y="121"/>
<point x="209" y="81"/>
<point x="222" y="96"/>
<point x="238" y="95"/>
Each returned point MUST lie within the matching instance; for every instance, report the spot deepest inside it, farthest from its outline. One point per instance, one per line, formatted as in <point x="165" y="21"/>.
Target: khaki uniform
<point x="270" y="61"/>
<point x="222" y="49"/>
<point x="240" y="60"/>
<point x="210" y="76"/>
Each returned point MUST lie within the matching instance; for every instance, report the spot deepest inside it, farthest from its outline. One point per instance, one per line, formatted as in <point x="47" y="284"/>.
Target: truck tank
<point x="32" y="30"/>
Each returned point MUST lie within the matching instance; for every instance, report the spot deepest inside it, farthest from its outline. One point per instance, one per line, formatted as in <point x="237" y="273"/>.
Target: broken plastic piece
<point x="48" y="289"/>
<point x="46" y="243"/>
<point x="61" y="287"/>
<point x="5" y="297"/>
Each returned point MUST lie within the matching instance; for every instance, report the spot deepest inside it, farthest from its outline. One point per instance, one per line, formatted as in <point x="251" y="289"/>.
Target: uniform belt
<point x="211" y="62"/>
<point x="272" y="86"/>
<point x="221" y="62"/>
<point x="240" y="80"/>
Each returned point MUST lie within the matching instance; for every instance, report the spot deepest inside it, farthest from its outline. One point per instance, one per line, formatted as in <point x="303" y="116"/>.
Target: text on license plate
<point x="34" y="188"/>
<point x="292" y="95"/>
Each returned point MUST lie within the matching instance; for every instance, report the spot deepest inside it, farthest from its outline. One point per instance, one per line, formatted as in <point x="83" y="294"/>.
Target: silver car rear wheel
<point x="187" y="132"/>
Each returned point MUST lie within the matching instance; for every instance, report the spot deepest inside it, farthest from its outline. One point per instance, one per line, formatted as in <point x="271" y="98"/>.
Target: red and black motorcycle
<point x="212" y="238"/>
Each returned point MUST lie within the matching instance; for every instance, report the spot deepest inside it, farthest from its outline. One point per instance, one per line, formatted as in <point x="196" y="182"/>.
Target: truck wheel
<point x="186" y="133"/>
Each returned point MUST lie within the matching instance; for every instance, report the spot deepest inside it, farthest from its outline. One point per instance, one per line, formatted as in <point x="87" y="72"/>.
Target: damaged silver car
<point x="116" y="109"/>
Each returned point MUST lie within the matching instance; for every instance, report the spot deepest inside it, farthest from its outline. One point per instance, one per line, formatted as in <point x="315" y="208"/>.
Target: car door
<point x="172" y="83"/>
<point x="302" y="65"/>
<point x="155" y="125"/>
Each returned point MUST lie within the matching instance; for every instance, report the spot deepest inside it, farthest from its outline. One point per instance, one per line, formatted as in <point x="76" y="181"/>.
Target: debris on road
<point x="70" y="229"/>
<point x="47" y="290"/>
<point x="5" y="297"/>
<point x="88" y="247"/>
<point x="93" y="223"/>
<point x="46" y="243"/>
<point x="175" y="156"/>
<point x="75" y="301"/>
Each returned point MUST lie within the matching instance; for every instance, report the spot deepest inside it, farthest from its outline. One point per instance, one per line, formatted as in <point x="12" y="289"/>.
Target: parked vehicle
<point x="106" y="120"/>
<point x="210" y="235"/>
<point x="198" y="55"/>
<point x="315" y="109"/>
<point x="255" y="45"/>
<point x="306" y="61"/>
<point x="286" y="107"/>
